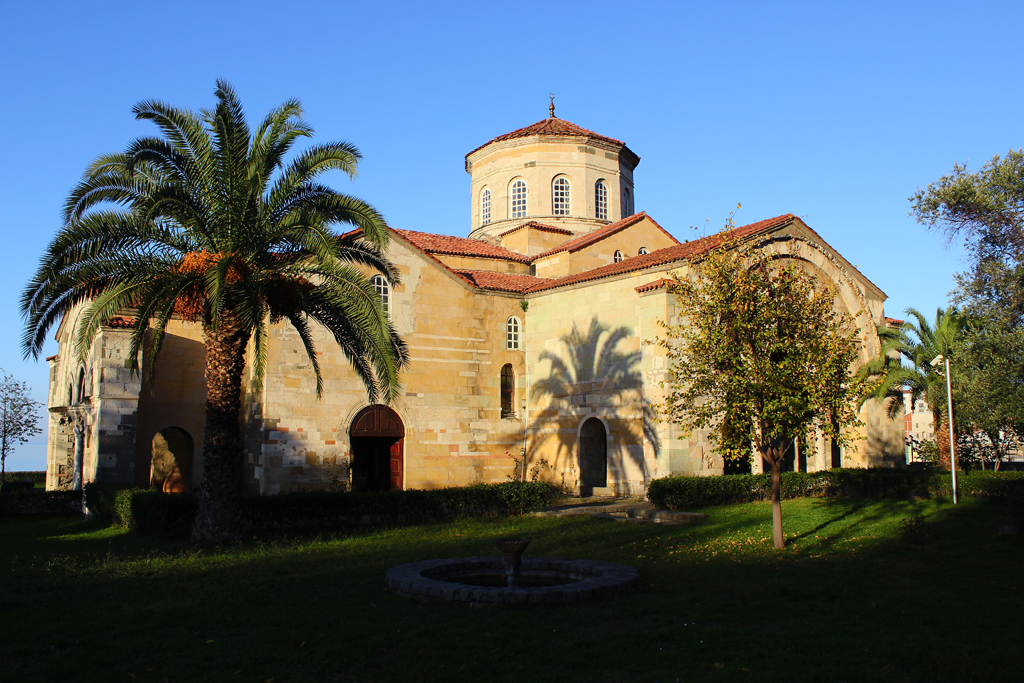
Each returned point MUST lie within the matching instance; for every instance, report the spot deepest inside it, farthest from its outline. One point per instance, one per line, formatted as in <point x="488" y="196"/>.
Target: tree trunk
<point x="777" y="503"/>
<point x="942" y="443"/>
<point x="217" y="519"/>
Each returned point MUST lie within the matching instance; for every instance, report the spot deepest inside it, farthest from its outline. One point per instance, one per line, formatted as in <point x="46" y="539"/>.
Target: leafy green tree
<point x="905" y="362"/>
<point x="988" y="393"/>
<point x="19" y="418"/>
<point x="759" y="357"/>
<point x="211" y="223"/>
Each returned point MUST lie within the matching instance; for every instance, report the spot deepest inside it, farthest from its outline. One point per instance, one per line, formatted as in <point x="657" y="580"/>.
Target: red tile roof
<point x="53" y="357"/>
<point x="538" y="226"/>
<point x="679" y="252"/>
<point x="459" y="246"/>
<point x="598" y="235"/>
<point x="501" y="282"/>
<point x="551" y="126"/>
<point x="894" y="321"/>
<point x="126" y="323"/>
<point x="656" y="284"/>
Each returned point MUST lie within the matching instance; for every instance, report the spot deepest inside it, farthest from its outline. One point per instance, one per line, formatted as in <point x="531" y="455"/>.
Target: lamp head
<point x="938" y="359"/>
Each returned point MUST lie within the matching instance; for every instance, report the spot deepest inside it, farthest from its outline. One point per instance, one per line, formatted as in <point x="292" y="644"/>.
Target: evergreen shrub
<point x="34" y="477"/>
<point x="172" y="514"/>
<point x="40" y="502"/>
<point x="682" y="492"/>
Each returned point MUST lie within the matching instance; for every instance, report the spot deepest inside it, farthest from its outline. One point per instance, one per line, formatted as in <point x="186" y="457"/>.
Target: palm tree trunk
<point x="217" y="519"/>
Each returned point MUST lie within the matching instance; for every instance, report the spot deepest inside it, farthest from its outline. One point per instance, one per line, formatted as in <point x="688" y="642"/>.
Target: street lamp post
<point x="949" y="398"/>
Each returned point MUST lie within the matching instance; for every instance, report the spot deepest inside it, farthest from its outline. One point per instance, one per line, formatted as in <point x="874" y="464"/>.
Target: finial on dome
<point x="551" y="107"/>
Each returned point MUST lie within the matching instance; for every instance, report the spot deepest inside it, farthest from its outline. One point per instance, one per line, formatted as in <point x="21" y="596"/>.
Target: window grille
<point x="485" y="207"/>
<point x="512" y="333"/>
<point x="560" y="197"/>
<point x="642" y="251"/>
<point x="380" y="285"/>
<point x="601" y="200"/>
<point x="519" y="199"/>
<point x="618" y="256"/>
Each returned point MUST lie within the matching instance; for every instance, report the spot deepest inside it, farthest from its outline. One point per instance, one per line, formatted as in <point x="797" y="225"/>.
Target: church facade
<point x="531" y="344"/>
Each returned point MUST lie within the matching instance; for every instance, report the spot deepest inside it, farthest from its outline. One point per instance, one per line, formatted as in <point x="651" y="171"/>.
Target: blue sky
<point x="836" y="112"/>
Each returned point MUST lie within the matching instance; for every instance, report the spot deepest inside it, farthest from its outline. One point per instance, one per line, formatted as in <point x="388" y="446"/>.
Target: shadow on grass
<point x="715" y="603"/>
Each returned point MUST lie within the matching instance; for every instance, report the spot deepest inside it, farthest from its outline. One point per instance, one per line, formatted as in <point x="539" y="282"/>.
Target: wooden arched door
<point x="378" y="439"/>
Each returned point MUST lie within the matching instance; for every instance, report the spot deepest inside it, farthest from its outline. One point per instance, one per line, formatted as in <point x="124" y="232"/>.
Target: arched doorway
<point x="170" y="460"/>
<point x="593" y="456"/>
<point x="377" y="435"/>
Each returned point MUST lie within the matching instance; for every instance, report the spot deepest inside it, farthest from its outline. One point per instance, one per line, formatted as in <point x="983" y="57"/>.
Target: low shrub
<point x="34" y="477"/>
<point x="682" y="492"/>
<point x="163" y="514"/>
<point x="13" y="485"/>
<point x="111" y="503"/>
<point x="40" y="502"/>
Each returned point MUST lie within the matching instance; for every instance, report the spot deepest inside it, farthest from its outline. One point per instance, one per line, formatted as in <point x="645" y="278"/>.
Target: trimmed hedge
<point x="161" y="514"/>
<point x="40" y="502"/>
<point x="681" y="492"/>
<point x="34" y="477"/>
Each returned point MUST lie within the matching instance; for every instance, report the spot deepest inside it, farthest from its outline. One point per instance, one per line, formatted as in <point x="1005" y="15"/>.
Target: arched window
<point x="508" y="391"/>
<point x="641" y="251"/>
<point x="627" y="204"/>
<point x="618" y="256"/>
<point x="380" y="285"/>
<point x="485" y="206"/>
<point x="81" y="385"/>
<point x="601" y="200"/>
<point x="512" y="333"/>
<point x="517" y="197"/>
<point x="560" y="196"/>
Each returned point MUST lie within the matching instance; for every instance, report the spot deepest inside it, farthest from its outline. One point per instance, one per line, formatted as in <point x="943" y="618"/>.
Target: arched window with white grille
<point x="512" y="326"/>
<point x="618" y="256"/>
<point x="601" y="200"/>
<point x="380" y="285"/>
<point x="560" y="196"/>
<point x="517" y="199"/>
<point x="485" y="206"/>
<point x="641" y="251"/>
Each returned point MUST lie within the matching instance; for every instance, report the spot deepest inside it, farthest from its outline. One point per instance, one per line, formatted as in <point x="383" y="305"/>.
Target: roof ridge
<point x="660" y="257"/>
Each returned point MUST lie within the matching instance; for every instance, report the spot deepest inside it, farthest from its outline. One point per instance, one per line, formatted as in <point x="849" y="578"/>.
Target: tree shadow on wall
<point x="589" y="376"/>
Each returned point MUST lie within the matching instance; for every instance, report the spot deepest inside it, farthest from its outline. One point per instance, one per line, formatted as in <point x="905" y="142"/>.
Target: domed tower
<point x="552" y="172"/>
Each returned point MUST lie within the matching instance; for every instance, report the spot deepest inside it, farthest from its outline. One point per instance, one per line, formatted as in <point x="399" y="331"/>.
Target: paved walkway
<point x="628" y="510"/>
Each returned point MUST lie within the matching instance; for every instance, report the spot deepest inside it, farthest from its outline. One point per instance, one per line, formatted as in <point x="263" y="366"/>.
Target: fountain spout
<point x="512" y="549"/>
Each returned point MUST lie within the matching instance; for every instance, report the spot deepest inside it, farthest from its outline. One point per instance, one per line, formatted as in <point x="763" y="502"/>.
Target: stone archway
<point x="593" y="453"/>
<point x="378" y="439"/>
<point x="170" y="460"/>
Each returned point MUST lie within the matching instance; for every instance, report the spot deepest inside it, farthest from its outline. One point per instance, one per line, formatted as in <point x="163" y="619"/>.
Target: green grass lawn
<point x="850" y="599"/>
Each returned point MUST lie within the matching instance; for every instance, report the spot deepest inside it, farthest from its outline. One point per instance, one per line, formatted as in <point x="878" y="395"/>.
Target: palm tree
<point x="905" y="363"/>
<point x="210" y="224"/>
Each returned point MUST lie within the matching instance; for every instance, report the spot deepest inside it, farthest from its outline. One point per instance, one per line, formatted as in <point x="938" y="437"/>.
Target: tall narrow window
<point x="627" y="204"/>
<point x="601" y="200"/>
<point x="485" y="207"/>
<point x="618" y="256"/>
<point x="641" y="251"/>
<point x="512" y="333"/>
<point x="508" y="391"/>
<point x="382" y="289"/>
<point x="560" y="197"/>
<point x="518" y="198"/>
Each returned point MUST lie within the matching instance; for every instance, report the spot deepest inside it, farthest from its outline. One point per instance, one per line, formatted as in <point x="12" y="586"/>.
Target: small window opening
<point x="618" y="256"/>
<point x="508" y="391"/>
<point x="512" y="333"/>
<point x="380" y="285"/>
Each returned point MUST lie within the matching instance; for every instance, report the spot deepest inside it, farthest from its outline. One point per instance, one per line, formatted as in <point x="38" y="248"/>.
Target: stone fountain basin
<point x="442" y="580"/>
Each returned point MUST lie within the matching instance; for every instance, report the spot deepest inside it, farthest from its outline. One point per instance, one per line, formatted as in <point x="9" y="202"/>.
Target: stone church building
<point x="532" y="335"/>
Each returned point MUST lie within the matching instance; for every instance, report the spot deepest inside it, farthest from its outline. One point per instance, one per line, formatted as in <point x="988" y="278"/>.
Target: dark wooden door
<point x="593" y="456"/>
